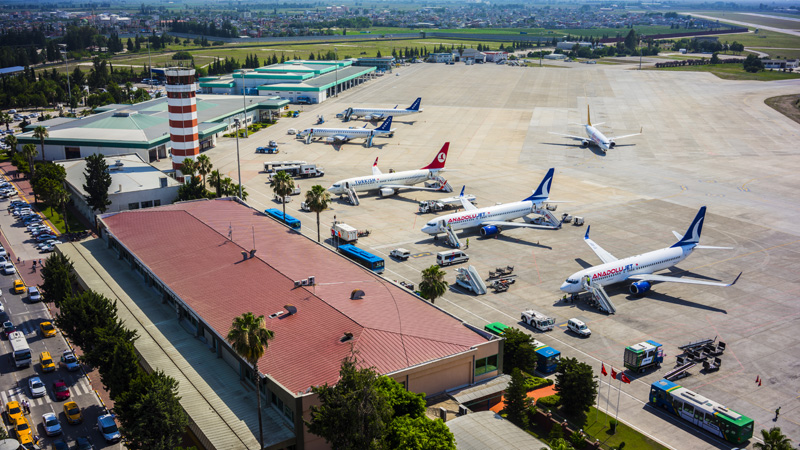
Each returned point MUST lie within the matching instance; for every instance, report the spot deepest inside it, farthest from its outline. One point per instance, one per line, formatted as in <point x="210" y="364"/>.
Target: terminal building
<point x="296" y="81"/>
<point x="181" y="273"/>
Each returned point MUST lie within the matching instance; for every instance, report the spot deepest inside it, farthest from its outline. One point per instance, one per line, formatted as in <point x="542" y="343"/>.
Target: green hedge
<point x="532" y="383"/>
<point x="549" y="402"/>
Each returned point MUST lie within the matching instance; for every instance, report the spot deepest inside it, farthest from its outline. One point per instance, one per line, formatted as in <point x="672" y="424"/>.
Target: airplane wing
<point x="502" y="224"/>
<point x="414" y="188"/>
<point x="653" y="277"/>
<point x="341" y="138"/>
<point x="464" y="202"/>
<point x="375" y="170"/>
<point x="576" y="138"/>
<point x="599" y="251"/>
<point x="616" y="138"/>
<point x="377" y="116"/>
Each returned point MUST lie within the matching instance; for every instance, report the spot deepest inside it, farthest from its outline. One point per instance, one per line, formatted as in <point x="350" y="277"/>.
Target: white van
<point x="400" y="253"/>
<point x="578" y="327"/>
<point x="451" y="257"/>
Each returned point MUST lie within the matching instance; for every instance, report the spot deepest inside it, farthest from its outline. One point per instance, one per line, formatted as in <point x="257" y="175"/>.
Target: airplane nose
<point x="427" y="229"/>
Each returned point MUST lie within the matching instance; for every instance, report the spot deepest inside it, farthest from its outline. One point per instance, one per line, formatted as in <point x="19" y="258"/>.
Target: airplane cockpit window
<point x="432" y="223"/>
<point x="337" y="185"/>
<point x="572" y="281"/>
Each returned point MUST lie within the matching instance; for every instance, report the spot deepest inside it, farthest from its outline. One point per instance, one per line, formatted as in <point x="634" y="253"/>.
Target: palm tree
<point x="29" y="152"/>
<point x="317" y="200"/>
<point x="61" y="198"/>
<point x="433" y="285"/>
<point x="6" y="119"/>
<point x="41" y="134"/>
<point x="204" y="166"/>
<point x="215" y="179"/>
<point x="189" y="166"/>
<point x="283" y="185"/>
<point x="12" y="142"/>
<point x="773" y="440"/>
<point x="250" y="338"/>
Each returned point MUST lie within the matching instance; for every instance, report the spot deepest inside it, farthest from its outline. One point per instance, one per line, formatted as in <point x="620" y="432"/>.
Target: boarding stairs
<point x="599" y="295"/>
<point x="452" y="238"/>
<point x="470" y="279"/>
<point x="547" y="217"/>
<point x="368" y="144"/>
<point x="352" y="195"/>
<point x="680" y="372"/>
<point x="347" y="113"/>
<point x="442" y="184"/>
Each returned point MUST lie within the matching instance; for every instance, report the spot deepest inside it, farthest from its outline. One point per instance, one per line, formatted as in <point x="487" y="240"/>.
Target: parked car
<point x="8" y="269"/>
<point x="13" y="411"/>
<point x="108" y="428"/>
<point x="33" y="294"/>
<point x="8" y="328"/>
<point x="19" y="286"/>
<point x="60" y="390"/>
<point x="37" y="388"/>
<point x="73" y="413"/>
<point x="69" y="361"/>
<point x="83" y="443"/>
<point x="45" y="237"/>
<point x="23" y="431"/>
<point x="51" y="424"/>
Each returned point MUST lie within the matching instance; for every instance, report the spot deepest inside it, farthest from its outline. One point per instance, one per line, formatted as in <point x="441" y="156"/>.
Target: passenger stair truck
<point x="643" y="356"/>
<point x="599" y="295"/>
<point x="344" y="232"/>
<point x="538" y="320"/>
<point x="470" y="279"/>
<point x="547" y="358"/>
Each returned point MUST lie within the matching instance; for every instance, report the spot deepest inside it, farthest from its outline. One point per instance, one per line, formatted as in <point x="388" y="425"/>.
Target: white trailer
<point x="432" y="206"/>
<point x="344" y="232"/>
<point x="538" y="320"/>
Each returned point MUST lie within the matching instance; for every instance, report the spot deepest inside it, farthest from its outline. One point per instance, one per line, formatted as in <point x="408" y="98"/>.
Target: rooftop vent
<point x="348" y="336"/>
<point x="291" y="309"/>
<point x="357" y="294"/>
<point x="123" y="113"/>
<point x="118" y="164"/>
<point x="277" y="314"/>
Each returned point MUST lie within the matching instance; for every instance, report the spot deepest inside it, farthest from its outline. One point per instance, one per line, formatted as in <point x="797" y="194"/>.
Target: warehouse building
<point x="182" y="273"/>
<point x="295" y="81"/>
<point x="144" y="128"/>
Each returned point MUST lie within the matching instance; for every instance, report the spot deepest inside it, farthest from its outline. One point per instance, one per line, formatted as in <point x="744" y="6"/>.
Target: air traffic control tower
<point x="182" y="107"/>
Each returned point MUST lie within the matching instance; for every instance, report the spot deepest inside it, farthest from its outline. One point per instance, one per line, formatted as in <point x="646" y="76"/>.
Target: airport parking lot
<point x="706" y="142"/>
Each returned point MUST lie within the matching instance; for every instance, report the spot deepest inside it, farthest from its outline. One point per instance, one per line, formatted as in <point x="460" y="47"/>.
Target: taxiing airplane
<point x="389" y="183"/>
<point x="342" y="135"/>
<point x="641" y="267"/>
<point x="595" y="136"/>
<point x="380" y="113"/>
<point x="492" y="219"/>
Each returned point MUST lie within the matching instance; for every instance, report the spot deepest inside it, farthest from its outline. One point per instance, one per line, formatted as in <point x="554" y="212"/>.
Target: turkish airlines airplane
<point x="342" y="135"/>
<point x="595" y="136"/>
<point x="492" y="219"/>
<point x="640" y="268"/>
<point x="380" y="113"/>
<point x="389" y="183"/>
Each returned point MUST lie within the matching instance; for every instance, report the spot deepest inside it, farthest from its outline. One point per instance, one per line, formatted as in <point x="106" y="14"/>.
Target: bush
<point x="613" y="425"/>
<point x="182" y="55"/>
<point x="577" y="439"/>
<point x="549" y="402"/>
<point x="533" y="383"/>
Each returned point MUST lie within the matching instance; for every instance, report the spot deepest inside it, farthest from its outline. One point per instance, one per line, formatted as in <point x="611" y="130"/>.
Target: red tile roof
<point x="186" y="246"/>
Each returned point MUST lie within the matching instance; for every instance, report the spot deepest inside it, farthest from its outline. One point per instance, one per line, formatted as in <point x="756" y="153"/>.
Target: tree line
<point x="227" y="30"/>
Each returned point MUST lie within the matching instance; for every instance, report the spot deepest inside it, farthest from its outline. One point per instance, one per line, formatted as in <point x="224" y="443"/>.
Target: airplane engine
<point x="640" y="287"/>
<point x="367" y="117"/>
<point x="611" y="144"/>
<point x="329" y="140"/>
<point x="489" y="230"/>
<point x="387" y="192"/>
<point x="584" y="143"/>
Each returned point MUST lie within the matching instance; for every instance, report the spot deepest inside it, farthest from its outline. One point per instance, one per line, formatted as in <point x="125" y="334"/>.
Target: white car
<point x="108" y="428"/>
<point x="9" y="269"/>
<point x="36" y="386"/>
<point x="51" y="424"/>
<point x="33" y="294"/>
<point x="291" y="131"/>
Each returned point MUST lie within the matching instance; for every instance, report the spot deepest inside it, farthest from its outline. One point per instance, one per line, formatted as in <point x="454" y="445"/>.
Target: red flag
<point x="758" y="379"/>
<point x="625" y="379"/>
<point x="603" y="370"/>
<point x="613" y="373"/>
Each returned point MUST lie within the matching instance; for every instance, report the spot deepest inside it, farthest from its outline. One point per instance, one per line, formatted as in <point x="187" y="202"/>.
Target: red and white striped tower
<point x="182" y="105"/>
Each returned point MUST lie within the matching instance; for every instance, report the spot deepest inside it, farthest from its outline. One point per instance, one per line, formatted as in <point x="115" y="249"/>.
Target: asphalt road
<point x="14" y="381"/>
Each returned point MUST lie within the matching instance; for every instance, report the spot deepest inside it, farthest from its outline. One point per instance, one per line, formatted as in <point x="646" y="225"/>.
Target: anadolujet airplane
<point x="492" y="219"/>
<point x="595" y="136"/>
<point x="342" y="135"/>
<point x="641" y="268"/>
<point x="380" y="113"/>
<point x="389" y="183"/>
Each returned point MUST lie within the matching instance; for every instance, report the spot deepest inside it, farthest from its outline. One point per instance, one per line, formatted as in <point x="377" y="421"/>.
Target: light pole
<point x="336" y="88"/>
<point x="69" y="87"/>
<point x="238" y="164"/>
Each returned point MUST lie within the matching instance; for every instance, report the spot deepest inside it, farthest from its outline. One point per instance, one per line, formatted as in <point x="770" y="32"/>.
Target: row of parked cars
<point x="44" y="236"/>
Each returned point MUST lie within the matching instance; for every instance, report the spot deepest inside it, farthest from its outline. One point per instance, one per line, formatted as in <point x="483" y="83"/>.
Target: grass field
<point x="645" y="29"/>
<point x="779" y="53"/>
<point x="735" y="72"/>
<point x="757" y="20"/>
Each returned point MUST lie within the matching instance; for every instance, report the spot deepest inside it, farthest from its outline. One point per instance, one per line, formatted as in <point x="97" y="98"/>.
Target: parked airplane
<point x="380" y="113"/>
<point x="342" y="135"/>
<point x="595" y="136"/>
<point x="493" y="219"/>
<point x="641" y="267"/>
<point x="389" y="183"/>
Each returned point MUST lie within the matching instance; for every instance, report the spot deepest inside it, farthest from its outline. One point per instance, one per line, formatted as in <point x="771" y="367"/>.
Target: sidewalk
<point x="27" y="254"/>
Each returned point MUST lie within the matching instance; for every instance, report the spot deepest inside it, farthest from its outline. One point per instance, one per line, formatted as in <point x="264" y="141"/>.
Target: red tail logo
<point x="376" y="163"/>
<point x="441" y="158"/>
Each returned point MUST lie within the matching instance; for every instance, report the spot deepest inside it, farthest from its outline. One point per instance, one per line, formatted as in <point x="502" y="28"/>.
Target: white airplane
<point x="492" y="219"/>
<point x="389" y="183"/>
<point x="342" y="135"/>
<point x="641" y="267"/>
<point x="380" y="113"/>
<point x="595" y="136"/>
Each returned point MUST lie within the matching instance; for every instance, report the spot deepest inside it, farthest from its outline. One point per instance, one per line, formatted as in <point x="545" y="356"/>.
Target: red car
<point x="60" y="390"/>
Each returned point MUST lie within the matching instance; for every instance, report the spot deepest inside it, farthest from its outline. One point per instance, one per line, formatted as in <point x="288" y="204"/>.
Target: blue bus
<point x="277" y="214"/>
<point x="362" y="257"/>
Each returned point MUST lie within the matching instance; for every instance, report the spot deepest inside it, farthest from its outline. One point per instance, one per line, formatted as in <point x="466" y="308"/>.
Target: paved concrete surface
<point x="706" y="142"/>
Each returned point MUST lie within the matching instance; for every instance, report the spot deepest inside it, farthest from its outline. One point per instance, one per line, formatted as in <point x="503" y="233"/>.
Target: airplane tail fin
<point x="439" y="160"/>
<point x="385" y="126"/>
<point x="462" y="190"/>
<point x="692" y="235"/>
<point x="415" y="106"/>
<point x="588" y="116"/>
<point x="542" y="193"/>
